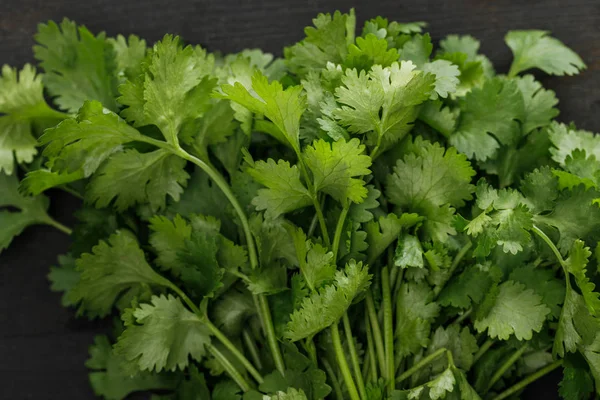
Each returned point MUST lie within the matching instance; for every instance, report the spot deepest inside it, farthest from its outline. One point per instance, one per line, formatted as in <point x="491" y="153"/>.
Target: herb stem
<point x="251" y="346"/>
<point x="270" y="333"/>
<point x="338" y="231"/>
<point x="505" y="366"/>
<point x="376" y="333"/>
<point x="54" y="223"/>
<point x="343" y="363"/>
<point x="388" y="328"/>
<point x="457" y="259"/>
<point x="482" y="350"/>
<point x="227" y="366"/>
<point x="552" y="246"/>
<point x="334" y="381"/>
<point x="407" y="374"/>
<point x="354" y="357"/>
<point x="371" y="349"/>
<point x="530" y="379"/>
<point x="322" y="223"/>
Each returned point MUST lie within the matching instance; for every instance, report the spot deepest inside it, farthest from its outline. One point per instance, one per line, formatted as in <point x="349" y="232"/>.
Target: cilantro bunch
<point x="365" y="218"/>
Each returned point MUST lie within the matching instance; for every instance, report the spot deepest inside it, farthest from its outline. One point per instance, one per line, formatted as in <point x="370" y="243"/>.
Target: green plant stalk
<point x="376" y="330"/>
<point x="315" y="198"/>
<point x="457" y="259"/>
<point x="265" y="314"/>
<point x="227" y="366"/>
<point x="530" y="379"/>
<point x="505" y="366"/>
<point x="409" y="372"/>
<point x="482" y="350"/>
<point x="309" y="346"/>
<point x="251" y="346"/>
<point x="334" y="381"/>
<point x="354" y="357"/>
<point x="343" y="363"/>
<point x="54" y="223"/>
<point x="371" y="350"/>
<point x="388" y="329"/>
<point x="338" y="231"/>
<point x="553" y="247"/>
<point x="215" y="331"/>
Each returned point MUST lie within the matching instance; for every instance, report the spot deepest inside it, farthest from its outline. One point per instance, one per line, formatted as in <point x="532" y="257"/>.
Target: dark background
<point x="42" y="346"/>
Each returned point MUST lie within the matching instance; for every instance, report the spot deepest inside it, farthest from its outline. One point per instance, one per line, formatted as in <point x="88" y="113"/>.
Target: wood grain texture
<point x="42" y="346"/>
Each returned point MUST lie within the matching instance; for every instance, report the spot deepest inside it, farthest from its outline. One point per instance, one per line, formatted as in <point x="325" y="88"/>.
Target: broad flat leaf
<point x="440" y="117"/>
<point x="381" y="233"/>
<point x="539" y="104"/>
<point x="543" y="283"/>
<point x="446" y="77"/>
<point x="63" y="278"/>
<point x="82" y="144"/>
<point x="409" y="252"/>
<point x="415" y="311"/>
<point x="175" y="88"/>
<point x="536" y="49"/>
<point x="414" y="189"/>
<point x="577" y="266"/>
<point x="115" y="266"/>
<point x="30" y="210"/>
<point x="460" y="342"/>
<point x="516" y="310"/>
<point x="576" y="383"/>
<point x="163" y="335"/>
<point x="489" y="118"/>
<point x="326" y="42"/>
<point x="21" y="102"/>
<point x="417" y="49"/>
<point x="325" y="307"/>
<point x="469" y="287"/>
<point x="131" y="178"/>
<point x="78" y="65"/>
<point x="337" y="168"/>
<point x="315" y="262"/>
<point x="567" y="139"/>
<point x="109" y="380"/>
<point x="40" y="180"/>
<point x="231" y="311"/>
<point x="130" y="52"/>
<point x="282" y="107"/>
<point x="285" y="192"/>
<point x="368" y="51"/>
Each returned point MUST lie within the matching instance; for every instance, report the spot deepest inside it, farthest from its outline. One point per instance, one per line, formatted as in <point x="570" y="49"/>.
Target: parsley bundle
<point x="365" y="218"/>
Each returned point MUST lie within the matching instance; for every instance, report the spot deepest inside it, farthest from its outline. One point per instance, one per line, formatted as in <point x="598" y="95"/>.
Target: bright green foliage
<point x="516" y="310"/>
<point x="325" y="307"/>
<point x="162" y="336"/>
<point x="29" y="210"/>
<point x="112" y="382"/>
<point x="21" y="103"/>
<point x="536" y="49"/>
<point x="115" y="268"/>
<point x="130" y="52"/>
<point x="79" y="66"/>
<point x="415" y="311"/>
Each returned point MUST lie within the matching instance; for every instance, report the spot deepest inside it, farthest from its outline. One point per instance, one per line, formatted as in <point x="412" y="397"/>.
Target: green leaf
<point x="469" y="287"/>
<point x="226" y="390"/>
<point x="131" y="178"/>
<point x="460" y="342"/>
<point x="417" y="49"/>
<point x="489" y="118"/>
<point x="78" y="65"/>
<point x="315" y="262"/>
<point x="231" y="311"/>
<point x="409" y="252"/>
<point x="114" y="268"/>
<point x="516" y="310"/>
<point x="290" y="394"/>
<point x="64" y="278"/>
<point x="415" y="312"/>
<point x="168" y="238"/>
<point x="325" y="307"/>
<point x="415" y="189"/>
<point x="162" y="336"/>
<point x="40" y="180"/>
<point x="446" y="77"/>
<point x="21" y="103"/>
<point x="466" y="44"/>
<point x="29" y="210"/>
<point x="174" y="89"/>
<point x="539" y="104"/>
<point x="337" y="167"/>
<point x="576" y="265"/>
<point x="536" y="49"/>
<point x="282" y="107"/>
<point x="383" y="102"/>
<point x="576" y="383"/>
<point x="285" y="192"/>
<point x="110" y="380"/>
<point x="326" y="42"/>
<point x="441" y="118"/>
<point x="566" y="139"/>
<point x="82" y="144"/>
<point x="381" y="233"/>
<point x="368" y="51"/>
<point x="544" y="284"/>
<point x="300" y="374"/>
<point x="213" y="128"/>
<point x="130" y="52"/>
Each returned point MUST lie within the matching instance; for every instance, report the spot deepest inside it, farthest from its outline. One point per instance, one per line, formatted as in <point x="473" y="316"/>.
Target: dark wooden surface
<point x="42" y="346"/>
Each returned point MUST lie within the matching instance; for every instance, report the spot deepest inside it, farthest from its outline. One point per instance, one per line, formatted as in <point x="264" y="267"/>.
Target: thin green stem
<point x="463" y="316"/>
<point x="552" y="246"/>
<point x="322" y="224"/>
<point x="377" y="338"/>
<point x="72" y="192"/>
<point x="337" y="389"/>
<point x="354" y="357"/>
<point x="371" y="349"/>
<point x="388" y="328"/>
<point x="505" y="366"/>
<point x="407" y="374"/>
<point x="457" y="259"/>
<point x="252" y="349"/>
<point x="54" y="223"/>
<point x="339" y="228"/>
<point x="343" y="363"/>
<point x="270" y="333"/>
<point x="530" y="379"/>
<point x="482" y="350"/>
<point x="309" y="345"/>
<point x="227" y="366"/>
